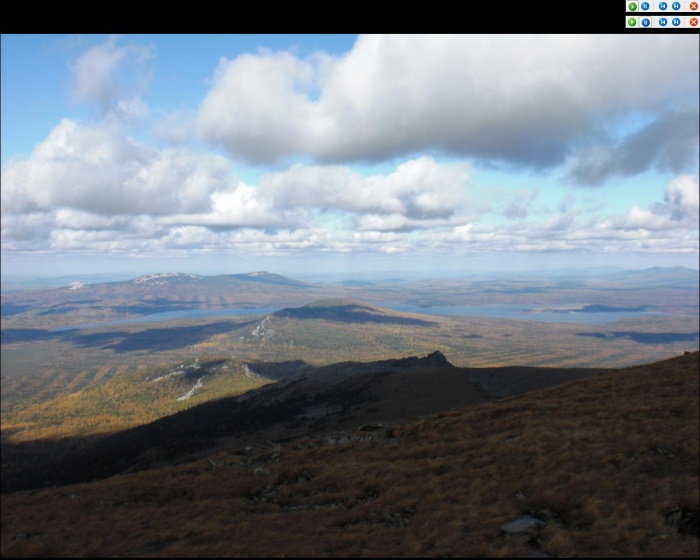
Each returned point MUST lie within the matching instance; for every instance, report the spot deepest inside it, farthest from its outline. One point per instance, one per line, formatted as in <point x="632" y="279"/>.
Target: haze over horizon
<point x="316" y="154"/>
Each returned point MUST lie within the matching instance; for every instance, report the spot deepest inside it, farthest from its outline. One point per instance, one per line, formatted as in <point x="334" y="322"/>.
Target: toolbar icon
<point x="632" y="7"/>
<point x="676" y="6"/>
<point x="693" y="21"/>
<point x="693" y="6"/>
<point x="663" y="21"/>
<point x="645" y="6"/>
<point x="663" y="5"/>
<point x="646" y="22"/>
<point x="676" y="22"/>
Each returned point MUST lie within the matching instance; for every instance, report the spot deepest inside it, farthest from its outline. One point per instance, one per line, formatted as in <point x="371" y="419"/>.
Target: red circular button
<point x="693" y="6"/>
<point x="693" y="22"/>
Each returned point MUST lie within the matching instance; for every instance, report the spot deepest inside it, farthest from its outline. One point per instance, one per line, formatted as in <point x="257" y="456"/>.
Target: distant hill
<point x="79" y="302"/>
<point x="676" y="275"/>
<point x="165" y="278"/>
<point x="600" y="467"/>
<point x="349" y="311"/>
<point x="267" y="278"/>
<point x="260" y="277"/>
<point x="360" y="283"/>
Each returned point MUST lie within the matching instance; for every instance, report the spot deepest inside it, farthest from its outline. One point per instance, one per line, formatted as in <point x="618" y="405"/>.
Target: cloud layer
<point x="431" y="109"/>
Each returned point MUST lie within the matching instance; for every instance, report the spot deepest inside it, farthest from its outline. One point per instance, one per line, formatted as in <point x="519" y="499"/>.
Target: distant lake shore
<point x="591" y="314"/>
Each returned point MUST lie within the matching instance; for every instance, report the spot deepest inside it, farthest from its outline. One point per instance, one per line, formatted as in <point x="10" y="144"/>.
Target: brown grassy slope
<point x="609" y="463"/>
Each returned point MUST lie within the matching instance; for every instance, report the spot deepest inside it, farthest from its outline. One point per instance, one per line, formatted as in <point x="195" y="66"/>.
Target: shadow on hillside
<point x="121" y="341"/>
<point x="645" y="337"/>
<point x="32" y="464"/>
<point x="279" y="370"/>
<point x="151" y="339"/>
<point x="383" y="391"/>
<point x="58" y="310"/>
<point x="170" y="439"/>
<point x="10" y="336"/>
<point x="350" y="314"/>
<point x="10" y="309"/>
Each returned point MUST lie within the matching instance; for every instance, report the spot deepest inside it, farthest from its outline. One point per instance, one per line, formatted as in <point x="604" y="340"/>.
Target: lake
<point x="571" y="313"/>
<point x="171" y="315"/>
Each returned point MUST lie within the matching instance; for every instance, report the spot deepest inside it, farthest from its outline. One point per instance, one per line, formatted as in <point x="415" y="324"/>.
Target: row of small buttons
<point x="684" y="6"/>
<point x="660" y="22"/>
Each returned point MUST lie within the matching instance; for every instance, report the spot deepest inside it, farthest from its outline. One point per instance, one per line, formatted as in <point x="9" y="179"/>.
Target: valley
<point x="52" y="374"/>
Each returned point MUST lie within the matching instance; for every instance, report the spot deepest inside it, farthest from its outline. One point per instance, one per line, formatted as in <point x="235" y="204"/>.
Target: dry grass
<point x="610" y="464"/>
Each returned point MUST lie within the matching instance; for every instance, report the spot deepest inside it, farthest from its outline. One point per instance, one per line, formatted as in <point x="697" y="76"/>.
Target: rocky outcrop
<point x="436" y="359"/>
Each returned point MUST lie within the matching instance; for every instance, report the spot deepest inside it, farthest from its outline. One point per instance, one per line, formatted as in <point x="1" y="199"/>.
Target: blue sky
<point x="339" y="153"/>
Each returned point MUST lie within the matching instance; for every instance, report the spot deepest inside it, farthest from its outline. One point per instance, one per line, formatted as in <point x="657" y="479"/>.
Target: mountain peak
<point x="161" y="278"/>
<point x="437" y="358"/>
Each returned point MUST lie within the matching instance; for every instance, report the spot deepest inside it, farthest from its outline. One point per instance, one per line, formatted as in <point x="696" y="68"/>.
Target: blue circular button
<point x="646" y="22"/>
<point x="663" y="6"/>
<point x="663" y="21"/>
<point x="676" y="21"/>
<point x="645" y="5"/>
<point x="676" y="5"/>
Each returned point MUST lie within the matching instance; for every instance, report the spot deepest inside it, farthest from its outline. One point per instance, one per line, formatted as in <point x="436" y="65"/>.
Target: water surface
<point x="571" y="313"/>
<point x="171" y="315"/>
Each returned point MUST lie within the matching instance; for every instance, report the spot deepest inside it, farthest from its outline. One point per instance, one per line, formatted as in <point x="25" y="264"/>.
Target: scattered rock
<point x="269" y="448"/>
<point x="371" y="427"/>
<point x="25" y="536"/>
<point x="683" y="521"/>
<point x="523" y="524"/>
<point x="339" y="439"/>
<point x="261" y="471"/>
<point x="304" y="477"/>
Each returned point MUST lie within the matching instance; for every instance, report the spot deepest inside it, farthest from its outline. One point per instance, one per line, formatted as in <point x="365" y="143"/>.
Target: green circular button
<point x="631" y="22"/>
<point x="633" y="7"/>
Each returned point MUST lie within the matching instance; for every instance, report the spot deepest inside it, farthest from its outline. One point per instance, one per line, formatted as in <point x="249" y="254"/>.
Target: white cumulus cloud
<point x="107" y="73"/>
<point x="521" y="99"/>
<point x="420" y="188"/>
<point x="100" y="169"/>
<point x="679" y="211"/>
